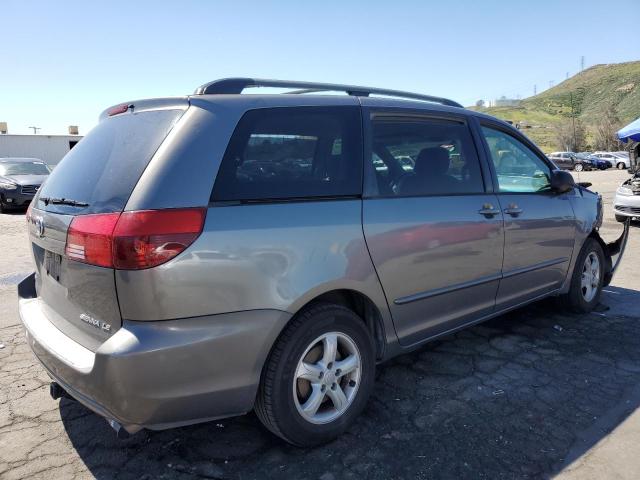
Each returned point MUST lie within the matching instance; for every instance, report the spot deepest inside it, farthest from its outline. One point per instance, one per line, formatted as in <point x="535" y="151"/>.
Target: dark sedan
<point x="20" y="179"/>
<point x="597" y="163"/>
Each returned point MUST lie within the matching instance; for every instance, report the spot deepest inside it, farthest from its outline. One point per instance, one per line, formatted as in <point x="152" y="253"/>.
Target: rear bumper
<point x="163" y="374"/>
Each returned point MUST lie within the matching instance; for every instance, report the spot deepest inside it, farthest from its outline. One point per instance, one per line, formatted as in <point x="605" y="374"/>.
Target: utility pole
<point x="535" y="90"/>
<point x="582" y="63"/>
<point x="35" y="129"/>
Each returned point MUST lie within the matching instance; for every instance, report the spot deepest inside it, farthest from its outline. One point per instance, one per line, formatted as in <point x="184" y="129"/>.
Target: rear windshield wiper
<point x="63" y="201"/>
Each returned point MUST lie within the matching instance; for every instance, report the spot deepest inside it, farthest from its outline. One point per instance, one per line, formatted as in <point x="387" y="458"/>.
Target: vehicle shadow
<point x="521" y="396"/>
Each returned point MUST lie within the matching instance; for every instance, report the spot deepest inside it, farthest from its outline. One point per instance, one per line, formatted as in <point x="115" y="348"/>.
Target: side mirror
<point x="562" y="181"/>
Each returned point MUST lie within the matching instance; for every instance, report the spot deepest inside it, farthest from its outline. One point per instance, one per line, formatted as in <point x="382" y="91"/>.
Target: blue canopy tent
<point x="630" y="132"/>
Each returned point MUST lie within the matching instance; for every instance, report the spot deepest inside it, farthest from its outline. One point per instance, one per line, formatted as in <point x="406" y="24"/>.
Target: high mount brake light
<point x="119" y="109"/>
<point x="133" y="240"/>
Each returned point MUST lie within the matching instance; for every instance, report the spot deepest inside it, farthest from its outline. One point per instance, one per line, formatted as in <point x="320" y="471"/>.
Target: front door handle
<point x="488" y="210"/>
<point x="513" y="210"/>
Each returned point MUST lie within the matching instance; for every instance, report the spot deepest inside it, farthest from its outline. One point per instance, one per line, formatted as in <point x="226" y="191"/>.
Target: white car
<point x="627" y="200"/>
<point x="619" y="160"/>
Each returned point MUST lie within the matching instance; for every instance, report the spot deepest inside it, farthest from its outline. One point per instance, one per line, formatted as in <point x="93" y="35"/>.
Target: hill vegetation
<point x="599" y="99"/>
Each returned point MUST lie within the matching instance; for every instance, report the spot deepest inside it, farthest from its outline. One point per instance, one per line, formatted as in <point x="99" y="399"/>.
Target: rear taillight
<point x="152" y="237"/>
<point x="133" y="240"/>
<point x="90" y="239"/>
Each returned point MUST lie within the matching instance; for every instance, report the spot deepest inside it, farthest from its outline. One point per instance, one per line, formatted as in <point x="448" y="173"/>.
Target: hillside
<point x="591" y="91"/>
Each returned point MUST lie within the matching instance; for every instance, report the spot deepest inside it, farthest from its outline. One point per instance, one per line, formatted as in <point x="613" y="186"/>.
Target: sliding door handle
<point x="513" y="210"/>
<point x="488" y="210"/>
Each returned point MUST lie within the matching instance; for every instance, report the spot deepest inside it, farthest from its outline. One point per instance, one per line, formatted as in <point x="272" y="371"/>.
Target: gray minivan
<point x="203" y="256"/>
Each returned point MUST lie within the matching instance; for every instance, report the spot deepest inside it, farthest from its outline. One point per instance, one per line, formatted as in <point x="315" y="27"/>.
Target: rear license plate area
<point x="52" y="264"/>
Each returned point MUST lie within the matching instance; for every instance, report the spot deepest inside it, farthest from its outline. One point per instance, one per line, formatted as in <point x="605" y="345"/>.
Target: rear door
<point x="561" y="161"/>
<point x="539" y="225"/>
<point x="95" y="178"/>
<point x="434" y="233"/>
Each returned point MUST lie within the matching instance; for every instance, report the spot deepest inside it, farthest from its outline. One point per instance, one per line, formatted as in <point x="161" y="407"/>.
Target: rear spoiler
<point x="137" y="106"/>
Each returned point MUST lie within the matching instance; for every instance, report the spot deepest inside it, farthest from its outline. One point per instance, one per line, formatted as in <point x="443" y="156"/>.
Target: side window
<point x="292" y="152"/>
<point x="424" y="157"/>
<point x="518" y="168"/>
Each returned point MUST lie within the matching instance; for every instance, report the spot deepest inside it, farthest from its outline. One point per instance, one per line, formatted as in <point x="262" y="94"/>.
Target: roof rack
<point x="237" y="85"/>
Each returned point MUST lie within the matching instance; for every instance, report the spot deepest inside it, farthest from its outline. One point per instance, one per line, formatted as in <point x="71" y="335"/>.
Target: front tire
<point x="318" y="376"/>
<point x="587" y="279"/>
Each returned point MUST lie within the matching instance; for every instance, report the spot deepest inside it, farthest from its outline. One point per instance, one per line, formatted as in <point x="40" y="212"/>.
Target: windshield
<point x="23" y="168"/>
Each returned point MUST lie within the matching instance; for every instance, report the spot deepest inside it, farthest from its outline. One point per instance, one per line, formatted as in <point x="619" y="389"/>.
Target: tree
<point x="571" y="135"/>
<point x="605" y="129"/>
<point x="480" y="103"/>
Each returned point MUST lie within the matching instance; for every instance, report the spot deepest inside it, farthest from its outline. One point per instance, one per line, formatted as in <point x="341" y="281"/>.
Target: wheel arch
<point x="607" y="258"/>
<point x="361" y="305"/>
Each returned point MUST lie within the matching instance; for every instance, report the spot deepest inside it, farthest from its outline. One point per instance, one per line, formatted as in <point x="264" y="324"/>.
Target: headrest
<point x="433" y="161"/>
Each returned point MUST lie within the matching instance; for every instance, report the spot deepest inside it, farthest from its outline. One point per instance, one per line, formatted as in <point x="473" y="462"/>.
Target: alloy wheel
<point x="327" y="378"/>
<point x="590" y="280"/>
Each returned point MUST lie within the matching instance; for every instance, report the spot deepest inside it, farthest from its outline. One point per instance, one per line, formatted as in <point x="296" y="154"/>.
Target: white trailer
<point x="48" y="148"/>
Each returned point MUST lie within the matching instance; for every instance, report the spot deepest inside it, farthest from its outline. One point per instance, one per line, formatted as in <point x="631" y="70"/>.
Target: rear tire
<point x="304" y="396"/>
<point x="587" y="278"/>
<point x="578" y="167"/>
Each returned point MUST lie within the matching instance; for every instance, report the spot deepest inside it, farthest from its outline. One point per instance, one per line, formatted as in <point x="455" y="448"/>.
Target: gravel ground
<point x="521" y="396"/>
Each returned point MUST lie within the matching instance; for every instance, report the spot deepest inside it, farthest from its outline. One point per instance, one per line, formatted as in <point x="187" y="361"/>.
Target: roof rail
<point x="237" y="85"/>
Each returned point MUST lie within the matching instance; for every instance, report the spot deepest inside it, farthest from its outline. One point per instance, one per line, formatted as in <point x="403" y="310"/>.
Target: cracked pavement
<point x="521" y="396"/>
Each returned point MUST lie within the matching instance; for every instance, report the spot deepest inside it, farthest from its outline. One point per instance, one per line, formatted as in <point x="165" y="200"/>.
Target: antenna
<point x="550" y="83"/>
<point x="35" y="129"/>
<point x="535" y="90"/>
<point x="582" y="63"/>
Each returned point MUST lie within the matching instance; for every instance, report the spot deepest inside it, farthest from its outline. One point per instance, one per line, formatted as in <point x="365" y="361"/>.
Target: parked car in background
<point x="406" y="162"/>
<point x="20" y="179"/>
<point x="626" y="202"/>
<point x="570" y="161"/>
<point x="620" y="161"/>
<point x="596" y="163"/>
<point x="174" y="285"/>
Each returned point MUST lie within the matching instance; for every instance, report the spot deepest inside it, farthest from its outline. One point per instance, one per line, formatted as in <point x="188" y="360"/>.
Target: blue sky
<point x="63" y="62"/>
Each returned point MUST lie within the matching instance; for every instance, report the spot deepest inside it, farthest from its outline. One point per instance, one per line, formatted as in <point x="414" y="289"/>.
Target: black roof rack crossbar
<point x="237" y="85"/>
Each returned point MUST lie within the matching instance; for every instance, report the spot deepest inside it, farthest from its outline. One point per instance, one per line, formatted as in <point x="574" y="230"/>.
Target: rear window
<point x="104" y="167"/>
<point x="291" y="153"/>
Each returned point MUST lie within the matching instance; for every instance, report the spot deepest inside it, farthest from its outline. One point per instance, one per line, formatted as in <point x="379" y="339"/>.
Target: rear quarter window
<point x="104" y="167"/>
<point x="292" y="153"/>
